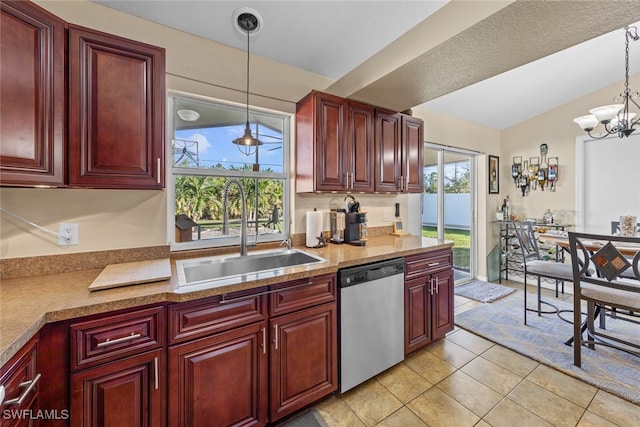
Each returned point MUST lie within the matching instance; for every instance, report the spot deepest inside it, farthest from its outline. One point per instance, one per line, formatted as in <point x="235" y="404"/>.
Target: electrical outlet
<point x="387" y="214"/>
<point x="67" y="233"/>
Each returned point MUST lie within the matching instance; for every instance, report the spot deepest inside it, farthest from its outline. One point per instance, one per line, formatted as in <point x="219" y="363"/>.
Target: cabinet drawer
<point x="428" y="263"/>
<point x="303" y="293"/>
<point x="203" y="317"/>
<point x="114" y="337"/>
<point x="19" y="378"/>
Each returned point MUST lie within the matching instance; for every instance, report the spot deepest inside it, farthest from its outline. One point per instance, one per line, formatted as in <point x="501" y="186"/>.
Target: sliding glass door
<point x="449" y="204"/>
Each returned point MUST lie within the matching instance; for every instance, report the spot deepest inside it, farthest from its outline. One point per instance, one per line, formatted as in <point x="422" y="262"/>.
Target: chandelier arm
<point x="603" y="135"/>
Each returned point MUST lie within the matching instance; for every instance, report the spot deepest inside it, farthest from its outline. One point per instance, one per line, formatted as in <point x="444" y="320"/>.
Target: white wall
<point x="609" y="181"/>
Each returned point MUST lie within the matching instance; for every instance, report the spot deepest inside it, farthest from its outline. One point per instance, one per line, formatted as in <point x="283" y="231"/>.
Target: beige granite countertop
<point x="28" y="303"/>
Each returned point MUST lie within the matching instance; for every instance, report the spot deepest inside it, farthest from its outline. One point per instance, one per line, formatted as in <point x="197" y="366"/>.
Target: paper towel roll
<point x="314" y="228"/>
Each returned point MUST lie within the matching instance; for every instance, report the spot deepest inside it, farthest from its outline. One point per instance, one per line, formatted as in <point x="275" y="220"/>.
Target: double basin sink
<point x="216" y="271"/>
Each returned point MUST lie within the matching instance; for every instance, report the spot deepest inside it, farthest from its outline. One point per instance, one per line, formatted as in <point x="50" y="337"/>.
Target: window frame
<point x="173" y="171"/>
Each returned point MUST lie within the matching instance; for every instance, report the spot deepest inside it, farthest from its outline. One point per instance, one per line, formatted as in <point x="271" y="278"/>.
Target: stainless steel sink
<point x="224" y="270"/>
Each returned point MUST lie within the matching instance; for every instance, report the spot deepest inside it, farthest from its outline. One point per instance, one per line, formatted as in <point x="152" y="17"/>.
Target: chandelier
<point x="247" y="144"/>
<point x="616" y="118"/>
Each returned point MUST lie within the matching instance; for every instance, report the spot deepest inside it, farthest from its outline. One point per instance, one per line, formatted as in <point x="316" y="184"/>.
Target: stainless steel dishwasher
<point x="371" y="320"/>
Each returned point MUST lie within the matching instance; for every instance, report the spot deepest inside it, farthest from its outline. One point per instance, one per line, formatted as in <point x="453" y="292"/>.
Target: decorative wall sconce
<point x="536" y="172"/>
<point x="534" y="163"/>
<point x="516" y="169"/>
<point x="552" y="173"/>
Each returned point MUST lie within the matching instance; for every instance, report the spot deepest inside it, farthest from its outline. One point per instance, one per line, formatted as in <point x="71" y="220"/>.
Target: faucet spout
<point x="243" y="219"/>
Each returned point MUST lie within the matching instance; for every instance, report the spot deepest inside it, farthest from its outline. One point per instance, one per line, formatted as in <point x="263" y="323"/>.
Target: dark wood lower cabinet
<point x="303" y="358"/>
<point x="126" y="393"/>
<point x="429" y="312"/>
<point x="220" y="380"/>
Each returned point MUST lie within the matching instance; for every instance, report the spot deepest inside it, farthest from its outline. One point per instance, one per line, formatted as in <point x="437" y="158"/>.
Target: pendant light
<point x="247" y="143"/>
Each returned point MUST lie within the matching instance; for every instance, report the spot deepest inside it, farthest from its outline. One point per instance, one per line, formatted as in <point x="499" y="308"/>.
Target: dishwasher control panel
<point x="369" y="272"/>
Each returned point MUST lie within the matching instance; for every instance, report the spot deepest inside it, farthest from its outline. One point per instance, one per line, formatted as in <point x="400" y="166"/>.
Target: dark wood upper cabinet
<point x="399" y="151"/>
<point x="343" y="146"/>
<point x="116" y="111"/>
<point x="360" y="143"/>
<point x="32" y="106"/>
<point x="334" y="144"/>
<point x="412" y="152"/>
<point x="388" y="151"/>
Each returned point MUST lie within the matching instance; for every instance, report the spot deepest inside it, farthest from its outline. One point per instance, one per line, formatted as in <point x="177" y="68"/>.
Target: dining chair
<point x="616" y="285"/>
<point x="533" y="264"/>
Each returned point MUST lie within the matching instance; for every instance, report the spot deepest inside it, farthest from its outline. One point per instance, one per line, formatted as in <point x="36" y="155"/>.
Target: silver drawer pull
<point x="433" y="264"/>
<point x="30" y="386"/>
<point x="109" y="341"/>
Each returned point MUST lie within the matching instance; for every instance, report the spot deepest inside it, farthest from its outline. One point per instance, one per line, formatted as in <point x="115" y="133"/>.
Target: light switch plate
<point x="387" y="214"/>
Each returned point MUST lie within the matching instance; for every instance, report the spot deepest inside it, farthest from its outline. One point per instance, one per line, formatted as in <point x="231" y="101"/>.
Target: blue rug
<point x="483" y="291"/>
<point x="543" y="341"/>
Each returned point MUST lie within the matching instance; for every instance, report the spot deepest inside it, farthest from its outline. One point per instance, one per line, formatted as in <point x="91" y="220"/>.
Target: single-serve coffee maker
<point x="356" y="230"/>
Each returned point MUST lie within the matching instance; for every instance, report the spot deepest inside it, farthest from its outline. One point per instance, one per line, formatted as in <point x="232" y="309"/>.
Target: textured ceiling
<point x="507" y="63"/>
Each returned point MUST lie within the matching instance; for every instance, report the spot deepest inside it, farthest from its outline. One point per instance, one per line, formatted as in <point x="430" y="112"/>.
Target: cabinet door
<point x="304" y="358"/>
<point x="417" y="322"/>
<point x="20" y="379"/>
<point x="32" y="106"/>
<point x="360" y="141"/>
<point x="129" y="392"/>
<point x="388" y="156"/>
<point x="220" y="380"/>
<point x="116" y="111"/>
<point x="412" y="148"/>
<point x="330" y="147"/>
<point x="442" y="303"/>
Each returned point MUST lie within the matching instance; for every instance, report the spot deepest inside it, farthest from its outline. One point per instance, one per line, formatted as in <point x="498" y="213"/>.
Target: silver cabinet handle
<point x="431" y="286"/>
<point x="437" y="285"/>
<point x="158" y="179"/>
<point x="275" y="340"/>
<point x="109" y="341"/>
<point x="264" y="340"/>
<point x="30" y="386"/>
<point x="433" y="264"/>
<point x="155" y="362"/>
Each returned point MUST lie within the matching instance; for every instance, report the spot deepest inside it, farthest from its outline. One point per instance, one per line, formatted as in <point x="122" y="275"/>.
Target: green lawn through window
<point x="461" y="246"/>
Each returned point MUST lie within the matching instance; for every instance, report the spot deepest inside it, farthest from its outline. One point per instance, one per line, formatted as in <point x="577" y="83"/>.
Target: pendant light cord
<point x="248" y="76"/>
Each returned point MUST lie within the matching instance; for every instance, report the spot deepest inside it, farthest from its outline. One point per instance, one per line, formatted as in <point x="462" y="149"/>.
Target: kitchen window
<point x="202" y="158"/>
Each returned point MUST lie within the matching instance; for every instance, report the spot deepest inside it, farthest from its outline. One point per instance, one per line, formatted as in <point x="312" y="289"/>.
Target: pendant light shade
<point x="247" y="143"/>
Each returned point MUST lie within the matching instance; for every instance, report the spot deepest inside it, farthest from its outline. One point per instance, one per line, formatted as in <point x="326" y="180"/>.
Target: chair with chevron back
<point x="616" y="286"/>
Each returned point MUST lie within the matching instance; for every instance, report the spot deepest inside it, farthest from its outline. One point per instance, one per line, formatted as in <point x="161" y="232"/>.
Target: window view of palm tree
<point x="205" y="157"/>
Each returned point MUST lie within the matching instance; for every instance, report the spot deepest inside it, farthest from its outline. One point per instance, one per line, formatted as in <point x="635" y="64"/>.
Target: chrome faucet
<point x="243" y="219"/>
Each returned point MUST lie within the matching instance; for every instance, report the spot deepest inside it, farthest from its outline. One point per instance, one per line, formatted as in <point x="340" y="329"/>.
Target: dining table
<point x="561" y="239"/>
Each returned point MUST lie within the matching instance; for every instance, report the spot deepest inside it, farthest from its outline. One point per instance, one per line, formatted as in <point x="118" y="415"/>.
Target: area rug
<point x="543" y="340"/>
<point x="483" y="291"/>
